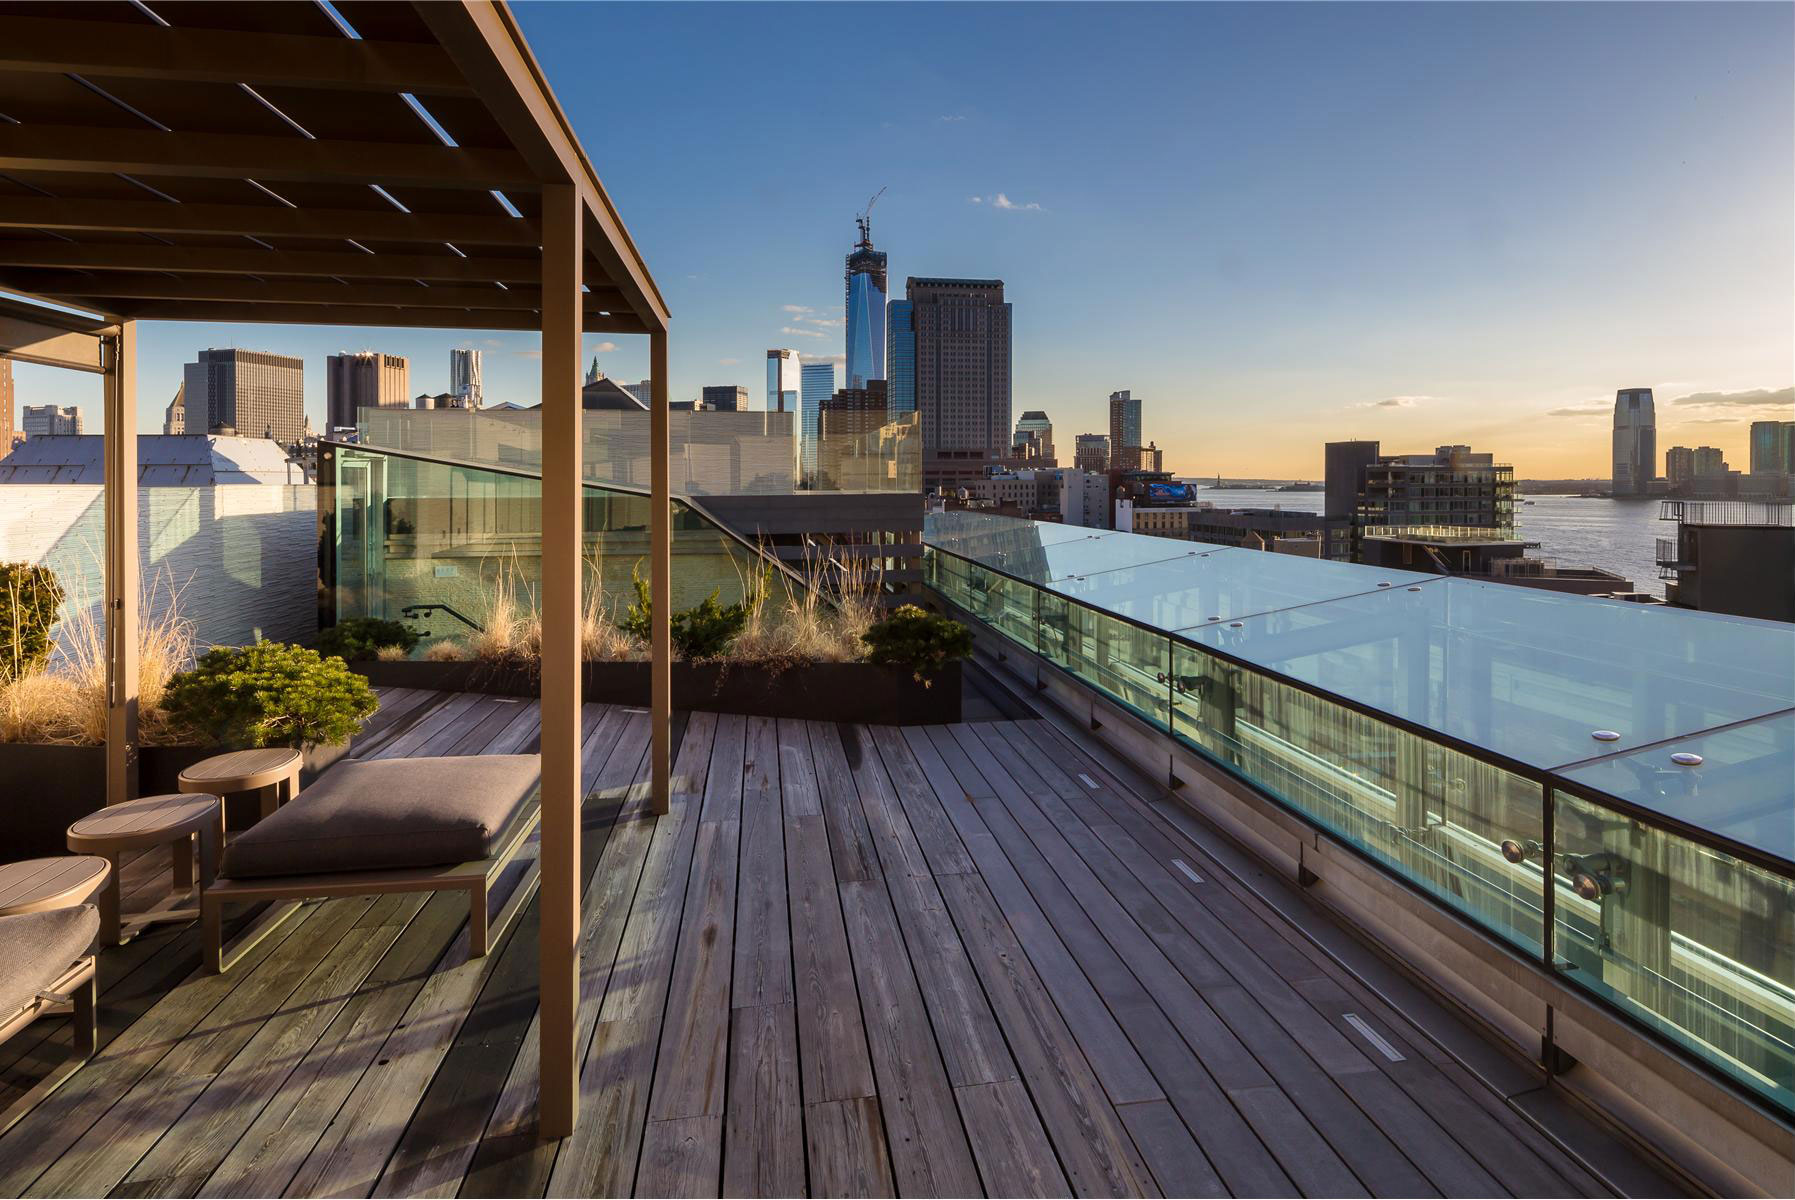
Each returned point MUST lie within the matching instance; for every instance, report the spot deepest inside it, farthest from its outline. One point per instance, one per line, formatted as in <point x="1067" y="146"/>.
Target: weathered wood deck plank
<point x="845" y="1145"/>
<point x="763" y="1140"/>
<point x="929" y="1152"/>
<point x="763" y="933"/>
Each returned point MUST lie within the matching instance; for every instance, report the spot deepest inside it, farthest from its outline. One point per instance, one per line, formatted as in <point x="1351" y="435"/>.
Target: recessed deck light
<point x="1686" y="759"/>
<point x="1605" y="735"/>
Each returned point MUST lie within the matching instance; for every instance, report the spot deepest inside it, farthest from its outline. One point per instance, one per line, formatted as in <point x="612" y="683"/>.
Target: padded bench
<point x="47" y="959"/>
<point x="384" y="825"/>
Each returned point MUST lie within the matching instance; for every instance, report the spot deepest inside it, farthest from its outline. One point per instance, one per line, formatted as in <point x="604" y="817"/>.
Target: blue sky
<point x="1280" y="224"/>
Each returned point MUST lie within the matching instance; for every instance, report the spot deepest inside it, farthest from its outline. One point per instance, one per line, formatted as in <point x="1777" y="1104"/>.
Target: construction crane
<point x="865" y="219"/>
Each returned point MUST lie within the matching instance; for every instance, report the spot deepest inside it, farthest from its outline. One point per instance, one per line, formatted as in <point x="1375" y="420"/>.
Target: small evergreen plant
<point x="270" y="694"/>
<point x="923" y="641"/>
<point x="705" y="630"/>
<point x="364" y="637"/>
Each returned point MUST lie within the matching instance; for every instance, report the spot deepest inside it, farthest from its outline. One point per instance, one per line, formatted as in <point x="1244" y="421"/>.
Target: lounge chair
<point x="46" y="960"/>
<point x="384" y="825"/>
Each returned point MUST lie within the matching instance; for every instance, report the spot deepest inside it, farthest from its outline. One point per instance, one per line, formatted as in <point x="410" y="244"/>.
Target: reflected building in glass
<point x="783" y="381"/>
<point x="865" y="310"/>
<point x="818" y="385"/>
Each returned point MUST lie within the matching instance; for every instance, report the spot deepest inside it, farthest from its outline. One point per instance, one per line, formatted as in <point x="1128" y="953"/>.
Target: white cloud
<point x="975" y="199"/>
<point x="815" y="333"/>
<point x="797" y="308"/>
<point x="1757" y="398"/>
<point x="832" y="321"/>
<point x="955" y="117"/>
<point x="1004" y="202"/>
<point x="528" y="353"/>
<point x="728" y="362"/>
<point x="1395" y="402"/>
<point x="603" y="347"/>
<point x="1595" y="408"/>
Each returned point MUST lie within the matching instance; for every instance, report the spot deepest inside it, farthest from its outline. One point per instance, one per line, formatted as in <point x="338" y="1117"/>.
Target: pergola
<point x="372" y="164"/>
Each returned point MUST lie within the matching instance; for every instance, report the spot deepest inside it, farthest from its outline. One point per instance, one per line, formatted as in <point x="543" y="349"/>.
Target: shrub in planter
<point x="703" y="631"/>
<point x="922" y="641"/>
<point x="270" y="694"/>
<point x="365" y="637"/>
<point x="30" y="599"/>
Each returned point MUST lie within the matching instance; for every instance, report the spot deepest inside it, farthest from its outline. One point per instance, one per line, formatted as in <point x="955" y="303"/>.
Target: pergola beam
<point x="264" y="220"/>
<point x="84" y="149"/>
<point x="491" y="51"/>
<point x="51" y="339"/>
<point x="215" y="260"/>
<point x="345" y="314"/>
<point x="150" y="285"/>
<point x="148" y="51"/>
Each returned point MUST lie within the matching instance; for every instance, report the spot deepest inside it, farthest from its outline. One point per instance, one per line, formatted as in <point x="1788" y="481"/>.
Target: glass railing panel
<point x="1697" y="944"/>
<point x="1220" y="583"/>
<point x="1127" y="662"/>
<point x="710" y="453"/>
<point x="1734" y="783"/>
<point x="414" y="532"/>
<point x="1523" y="673"/>
<point x="1435" y="815"/>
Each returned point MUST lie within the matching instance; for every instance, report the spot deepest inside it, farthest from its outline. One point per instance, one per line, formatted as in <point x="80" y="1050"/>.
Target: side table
<point x="273" y="767"/>
<point x="140" y="824"/>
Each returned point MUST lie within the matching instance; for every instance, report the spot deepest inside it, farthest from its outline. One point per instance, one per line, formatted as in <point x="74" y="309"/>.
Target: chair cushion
<point x="38" y="947"/>
<point x="389" y="814"/>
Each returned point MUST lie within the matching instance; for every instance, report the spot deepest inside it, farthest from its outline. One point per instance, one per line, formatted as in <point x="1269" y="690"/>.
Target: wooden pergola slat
<point x="148" y="51"/>
<point x="107" y="151"/>
<point x="265" y="220"/>
<point x="147" y="199"/>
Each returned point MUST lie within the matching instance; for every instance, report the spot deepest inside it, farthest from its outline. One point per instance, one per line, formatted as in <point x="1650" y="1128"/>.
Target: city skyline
<point x="1377" y="250"/>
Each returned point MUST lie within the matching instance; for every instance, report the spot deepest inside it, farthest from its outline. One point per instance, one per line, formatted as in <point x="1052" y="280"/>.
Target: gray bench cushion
<point x="389" y="814"/>
<point x="38" y="947"/>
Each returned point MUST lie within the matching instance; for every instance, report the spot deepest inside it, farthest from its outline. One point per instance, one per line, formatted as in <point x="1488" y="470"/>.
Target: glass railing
<point x="711" y="453"/>
<point x="399" y="532"/>
<point x="1463" y="735"/>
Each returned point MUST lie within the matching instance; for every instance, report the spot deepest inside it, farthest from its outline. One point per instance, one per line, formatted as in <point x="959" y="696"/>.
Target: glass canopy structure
<point x="1466" y="736"/>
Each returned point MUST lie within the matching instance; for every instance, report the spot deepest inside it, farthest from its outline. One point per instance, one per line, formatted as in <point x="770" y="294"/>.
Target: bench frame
<point x="77" y="987"/>
<point x="475" y="878"/>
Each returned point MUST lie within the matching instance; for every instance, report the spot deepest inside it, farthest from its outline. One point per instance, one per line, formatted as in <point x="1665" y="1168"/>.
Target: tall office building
<point x="1125" y="431"/>
<point x="865" y="310"/>
<point x="1091" y="452"/>
<point x="464" y="379"/>
<point x="1635" y="441"/>
<point x="367" y="379"/>
<point x="643" y="391"/>
<point x="254" y="392"/>
<point x="47" y="420"/>
<point x="729" y="397"/>
<point x="1034" y="438"/>
<point x="784" y="384"/>
<point x="1772" y="447"/>
<point x="818" y="385"/>
<point x="6" y="402"/>
<point x="900" y="387"/>
<point x="962" y="376"/>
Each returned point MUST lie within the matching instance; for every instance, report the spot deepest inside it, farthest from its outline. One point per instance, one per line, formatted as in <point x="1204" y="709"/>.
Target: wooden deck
<point x="953" y="960"/>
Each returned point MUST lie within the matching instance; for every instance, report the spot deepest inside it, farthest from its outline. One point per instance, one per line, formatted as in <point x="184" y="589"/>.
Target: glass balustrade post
<point x="1548" y="877"/>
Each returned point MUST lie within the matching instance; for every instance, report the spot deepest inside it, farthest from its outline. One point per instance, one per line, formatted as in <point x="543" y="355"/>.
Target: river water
<point x="1616" y="535"/>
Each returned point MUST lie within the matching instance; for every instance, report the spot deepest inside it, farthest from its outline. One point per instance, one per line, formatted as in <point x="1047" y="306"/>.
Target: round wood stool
<point x="41" y="884"/>
<point x="139" y="825"/>
<point x="273" y="767"/>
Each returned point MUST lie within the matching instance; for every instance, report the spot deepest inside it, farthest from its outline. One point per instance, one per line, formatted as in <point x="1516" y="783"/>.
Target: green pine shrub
<point x="30" y="602"/>
<point x="360" y="638"/>
<point x="269" y="694"/>
<point x="923" y="641"/>
<point x="706" y="630"/>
